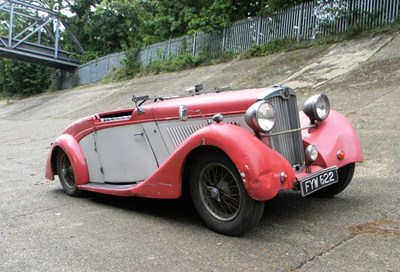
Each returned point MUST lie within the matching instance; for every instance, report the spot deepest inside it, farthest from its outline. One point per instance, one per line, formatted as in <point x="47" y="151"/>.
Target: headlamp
<point x="317" y="107"/>
<point x="261" y="116"/>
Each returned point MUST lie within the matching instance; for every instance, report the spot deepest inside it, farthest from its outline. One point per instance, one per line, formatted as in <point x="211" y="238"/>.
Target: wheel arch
<point x="68" y="144"/>
<point x="334" y="134"/>
<point x="53" y="159"/>
<point x="243" y="212"/>
<point x="258" y="165"/>
<point x="191" y="159"/>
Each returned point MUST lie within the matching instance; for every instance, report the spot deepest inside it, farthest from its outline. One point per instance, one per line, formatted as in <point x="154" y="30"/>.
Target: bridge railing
<point x="33" y="35"/>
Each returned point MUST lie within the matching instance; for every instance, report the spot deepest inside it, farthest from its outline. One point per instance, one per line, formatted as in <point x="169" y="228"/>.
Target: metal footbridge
<point x="32" y="33"/>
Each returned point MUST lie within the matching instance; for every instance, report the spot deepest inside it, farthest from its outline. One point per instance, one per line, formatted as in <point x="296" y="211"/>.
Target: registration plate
<point x="318" y="180"/>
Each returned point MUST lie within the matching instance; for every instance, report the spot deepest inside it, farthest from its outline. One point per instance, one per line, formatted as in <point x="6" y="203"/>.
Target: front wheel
<point x="345" y="174"/>
<point x="220" y="198"/>
<point x="66" y="174"/>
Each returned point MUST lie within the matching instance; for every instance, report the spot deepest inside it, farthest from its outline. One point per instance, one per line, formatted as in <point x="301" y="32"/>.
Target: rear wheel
<point x="345" y="176"/>
<point x="66" y="174"/>
<point x="220" y="198"/>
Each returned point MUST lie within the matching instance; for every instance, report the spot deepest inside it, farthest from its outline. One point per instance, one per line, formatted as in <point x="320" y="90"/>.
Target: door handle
<point x="138" y="133"/>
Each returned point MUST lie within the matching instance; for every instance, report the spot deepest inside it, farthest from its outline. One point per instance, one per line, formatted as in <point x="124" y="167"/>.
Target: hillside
<point x="343" y="67"/>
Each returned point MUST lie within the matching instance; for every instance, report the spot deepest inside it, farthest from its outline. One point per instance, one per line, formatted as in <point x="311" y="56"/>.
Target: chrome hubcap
<point x="214" y="193"/>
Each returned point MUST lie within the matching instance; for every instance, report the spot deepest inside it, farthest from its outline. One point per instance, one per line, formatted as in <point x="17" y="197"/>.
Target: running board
<point x="107" y="188"/>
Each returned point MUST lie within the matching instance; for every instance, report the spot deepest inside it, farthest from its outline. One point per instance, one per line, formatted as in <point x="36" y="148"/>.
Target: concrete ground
<point x="42" y="229"/>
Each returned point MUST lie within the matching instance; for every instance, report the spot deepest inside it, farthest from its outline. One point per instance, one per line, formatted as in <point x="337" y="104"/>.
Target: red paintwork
<point x="231" y="102"/>
<point x="70" y="146"/>
<point x="259" y="165"/>
<point x="334" y="134"/>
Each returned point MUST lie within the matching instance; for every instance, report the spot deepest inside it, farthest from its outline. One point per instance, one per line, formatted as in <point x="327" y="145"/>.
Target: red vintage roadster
<point x="233" y="149"/>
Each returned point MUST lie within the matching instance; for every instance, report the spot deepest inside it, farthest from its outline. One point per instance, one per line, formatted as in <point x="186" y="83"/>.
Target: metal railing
<point x="299" y="22"/>
<point x="34" y="35"/>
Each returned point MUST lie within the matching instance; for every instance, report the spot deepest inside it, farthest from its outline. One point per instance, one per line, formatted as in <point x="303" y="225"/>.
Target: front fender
<point x="74" y="152"/>
<point x="259" y="166"/>
<point x="334" y="134"/>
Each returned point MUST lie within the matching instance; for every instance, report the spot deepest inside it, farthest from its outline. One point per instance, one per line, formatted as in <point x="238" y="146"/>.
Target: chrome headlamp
<point x="260" y="116"/>
<point x="311" y="153"/>
<point x="317" y="107"/>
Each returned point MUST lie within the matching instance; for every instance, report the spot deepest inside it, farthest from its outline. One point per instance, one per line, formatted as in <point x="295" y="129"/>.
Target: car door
<point x="126" y="156"/>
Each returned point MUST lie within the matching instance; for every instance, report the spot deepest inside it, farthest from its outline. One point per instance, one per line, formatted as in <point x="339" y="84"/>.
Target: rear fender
<point x="334" y="134"/>
<point x="259" y="166"/>
<point x="73" y="150"/>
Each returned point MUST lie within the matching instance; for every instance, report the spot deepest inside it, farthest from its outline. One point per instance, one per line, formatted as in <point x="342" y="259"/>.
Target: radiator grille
<point x="290" y="145"/>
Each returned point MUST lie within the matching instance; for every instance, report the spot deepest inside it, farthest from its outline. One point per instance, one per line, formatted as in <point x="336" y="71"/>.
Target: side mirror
<point x="183" y="113"/>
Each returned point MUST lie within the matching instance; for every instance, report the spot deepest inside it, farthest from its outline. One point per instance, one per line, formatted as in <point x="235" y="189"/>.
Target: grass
<point x="132" y="68"/>
<point x="8" y="100"/>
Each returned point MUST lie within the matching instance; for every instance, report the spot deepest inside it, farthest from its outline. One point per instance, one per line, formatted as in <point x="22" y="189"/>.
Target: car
<point x="232" y="149"/>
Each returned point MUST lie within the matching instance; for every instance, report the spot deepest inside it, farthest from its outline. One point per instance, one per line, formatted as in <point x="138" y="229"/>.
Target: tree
<point x="162" y="20"/>
<point x="105" y="26"/>
<point x="215" y="15"/>
<point x="20" y="78"/>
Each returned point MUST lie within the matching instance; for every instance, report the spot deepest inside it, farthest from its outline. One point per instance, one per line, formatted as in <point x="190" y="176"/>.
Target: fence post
<point x="194" y="44"/>
<point x="169" y="48"/>
<point x="223" y="40"/>
<point x="300" y="22"/>
<point x="107" y="65"/>
<point x="148" y="54"/>
<point x="259" y="22"/>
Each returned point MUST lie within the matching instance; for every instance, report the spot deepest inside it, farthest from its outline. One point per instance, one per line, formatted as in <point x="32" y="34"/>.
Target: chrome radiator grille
<point x="290" y="145"/>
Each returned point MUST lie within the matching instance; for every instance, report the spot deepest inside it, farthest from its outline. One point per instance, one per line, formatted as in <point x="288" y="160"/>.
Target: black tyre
<point x="345" y="176"/>
<point x="66" y="174"/>
<point x="220" y="198"/>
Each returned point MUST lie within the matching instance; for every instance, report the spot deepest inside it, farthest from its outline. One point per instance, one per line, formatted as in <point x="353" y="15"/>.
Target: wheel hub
<point x="215" y="193"/>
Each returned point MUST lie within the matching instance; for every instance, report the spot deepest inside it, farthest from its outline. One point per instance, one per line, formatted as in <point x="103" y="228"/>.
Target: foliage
<point x="328" y="12"/>
<point x="130" y="67"/>
<point x="270" y="48"/>
<point x="221" y="13"/>
<point x="357" y="30"/>
<point x="104" y="26"/>
<point x="23" y="79"/>
<point x="107" y="26"/>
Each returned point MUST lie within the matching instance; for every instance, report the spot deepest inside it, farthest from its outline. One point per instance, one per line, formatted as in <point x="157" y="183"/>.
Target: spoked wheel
<point x="220" y="198"/>
<point x="345" y="174"/>
<point x="219" y="191"/>
<point x="66" y="174"/>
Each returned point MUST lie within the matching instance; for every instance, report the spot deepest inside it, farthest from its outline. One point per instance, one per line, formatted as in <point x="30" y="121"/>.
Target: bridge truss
<point x="32" y="33"/>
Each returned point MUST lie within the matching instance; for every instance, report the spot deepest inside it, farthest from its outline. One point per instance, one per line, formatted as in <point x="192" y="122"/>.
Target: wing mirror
<point x="183" y="113"/>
